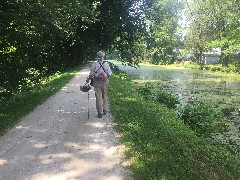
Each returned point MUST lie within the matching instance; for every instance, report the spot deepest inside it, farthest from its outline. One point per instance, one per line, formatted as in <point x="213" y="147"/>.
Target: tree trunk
<point x="197" y="55"/>
<point x="225" y="57"/>
<point x="77" y="56"/>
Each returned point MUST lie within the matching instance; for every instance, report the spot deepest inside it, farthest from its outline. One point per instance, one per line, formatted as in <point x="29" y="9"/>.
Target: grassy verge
<point x="160" y="146"/>
<point x="21" y="104"/>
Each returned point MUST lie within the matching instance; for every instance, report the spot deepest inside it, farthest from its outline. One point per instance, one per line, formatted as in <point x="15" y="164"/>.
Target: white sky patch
<point x="136" y="8"/>
<point x="184" y="21"/>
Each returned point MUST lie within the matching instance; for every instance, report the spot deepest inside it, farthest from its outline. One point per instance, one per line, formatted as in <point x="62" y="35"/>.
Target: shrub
<point x="216" y="68"/>
<point x="146" y="90"/>
<point x="201" y="118"/>
<point x="150" y="92"/>
<point x="192" y="66"/>
<point x="236" y="65"/>
<point x="206" y="67"/>
<point x="167" y="99"/>
<point x="158" y="61"/>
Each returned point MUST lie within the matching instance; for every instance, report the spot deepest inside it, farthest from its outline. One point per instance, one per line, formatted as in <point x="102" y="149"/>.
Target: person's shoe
<point x="104" y="112"/>
<point x="99" y="115"/>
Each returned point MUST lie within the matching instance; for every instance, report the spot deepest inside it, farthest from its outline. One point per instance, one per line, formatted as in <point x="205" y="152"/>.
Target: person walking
<point x="100" y="71"/>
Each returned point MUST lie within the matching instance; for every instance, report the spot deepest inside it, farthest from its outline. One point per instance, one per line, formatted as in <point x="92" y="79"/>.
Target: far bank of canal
<point x="216" y="89"/>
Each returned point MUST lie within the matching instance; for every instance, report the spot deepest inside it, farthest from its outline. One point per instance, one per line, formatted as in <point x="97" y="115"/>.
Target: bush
<point x="236" y="65"/>
<point x="167" y="99"/>
<point x="150" y="92"/>
<point x="216" y="68"/>
<point x="201" y="118"/>
<point x="146" y="90"/>
<point x="206" y="67"/>
<point x="192" y="66"/>
<point x="161" y="61"/>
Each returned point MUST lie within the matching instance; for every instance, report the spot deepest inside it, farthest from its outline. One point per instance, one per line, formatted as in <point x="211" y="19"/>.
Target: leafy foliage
<point x="51" y="36"/>
<point x="167" y="99"/>
<point x="161" y="39"/>
<point x="119" y="73"/>
<point x="214" y="24"/>
<point x="234" y="68"/>
<point x="201" y="118"/>
<point x="146" y="90"/>
<point x="150" y="92"/>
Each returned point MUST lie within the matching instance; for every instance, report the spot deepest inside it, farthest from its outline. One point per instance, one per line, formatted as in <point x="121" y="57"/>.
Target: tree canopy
<point x="39" y="38"/>
<point x="162" y="37"/>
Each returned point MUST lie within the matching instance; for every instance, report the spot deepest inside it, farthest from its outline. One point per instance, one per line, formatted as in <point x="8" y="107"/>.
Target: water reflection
<point x="186" y="82"/>
<point x="192" y="86"/>
<point x="195" y="86"/>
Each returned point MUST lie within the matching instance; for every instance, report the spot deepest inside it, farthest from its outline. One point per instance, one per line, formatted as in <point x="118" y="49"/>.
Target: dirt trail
<point x="58" y="141"/>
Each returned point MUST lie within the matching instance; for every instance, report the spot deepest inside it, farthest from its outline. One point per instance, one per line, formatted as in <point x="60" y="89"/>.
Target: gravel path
<point x="58" y="141"/>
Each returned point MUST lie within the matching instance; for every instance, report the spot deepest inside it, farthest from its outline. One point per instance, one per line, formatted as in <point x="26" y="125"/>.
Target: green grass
<point x="19" y="105"/>
<point x="160" y="146"/>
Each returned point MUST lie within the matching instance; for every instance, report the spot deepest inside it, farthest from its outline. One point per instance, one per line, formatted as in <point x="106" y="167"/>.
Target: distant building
<point x="211" y="58"/>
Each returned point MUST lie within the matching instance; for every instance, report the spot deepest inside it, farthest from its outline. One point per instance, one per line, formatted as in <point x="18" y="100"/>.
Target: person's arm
<point x="88" y="78"/>
<point x="109" y="71"/>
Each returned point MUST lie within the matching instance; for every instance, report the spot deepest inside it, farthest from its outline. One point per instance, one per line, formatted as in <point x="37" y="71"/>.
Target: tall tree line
<point x="40" y="37"/>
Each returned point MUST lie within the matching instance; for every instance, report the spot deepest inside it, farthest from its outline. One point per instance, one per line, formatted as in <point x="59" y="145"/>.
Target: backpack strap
<point x="101" y="67"/>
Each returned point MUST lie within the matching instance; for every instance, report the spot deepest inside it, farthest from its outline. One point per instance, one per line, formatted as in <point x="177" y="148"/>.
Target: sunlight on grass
<point x="160" y="146"/>
<point x="129" y="99"/>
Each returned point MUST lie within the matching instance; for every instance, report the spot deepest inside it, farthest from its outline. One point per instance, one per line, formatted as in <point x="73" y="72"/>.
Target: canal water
<point x="216" y="89"/>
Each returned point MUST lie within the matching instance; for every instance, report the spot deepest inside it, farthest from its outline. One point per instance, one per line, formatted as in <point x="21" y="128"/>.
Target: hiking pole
<point x="88" y="104"/>
<point x="86" y="88"/>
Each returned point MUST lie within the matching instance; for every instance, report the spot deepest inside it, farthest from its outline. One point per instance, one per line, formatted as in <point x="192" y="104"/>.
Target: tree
<point x="162" y="19"/>
<point x="218" y="24"/>
<point x="225" y="27"/>
<point x="39" y="38"/>
<point x="196" y="37"/>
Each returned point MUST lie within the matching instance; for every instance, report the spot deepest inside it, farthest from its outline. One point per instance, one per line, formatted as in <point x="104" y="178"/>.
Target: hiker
<point x="100" y="71"/>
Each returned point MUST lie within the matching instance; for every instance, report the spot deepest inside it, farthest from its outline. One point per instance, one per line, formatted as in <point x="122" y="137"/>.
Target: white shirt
<point x="96" y="70"/>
